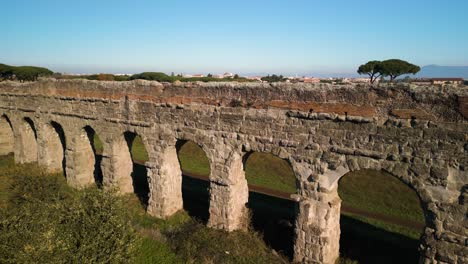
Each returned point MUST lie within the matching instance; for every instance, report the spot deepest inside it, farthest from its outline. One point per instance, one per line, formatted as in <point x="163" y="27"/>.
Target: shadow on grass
<point x="368" y="244"/>
<point x="274" y="218"/>
<point x="140" y="183"/>
<point x="196" y="197"/>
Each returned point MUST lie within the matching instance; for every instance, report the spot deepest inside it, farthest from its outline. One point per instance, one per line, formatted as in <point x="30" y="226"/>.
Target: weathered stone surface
<point x="324" y="131"/>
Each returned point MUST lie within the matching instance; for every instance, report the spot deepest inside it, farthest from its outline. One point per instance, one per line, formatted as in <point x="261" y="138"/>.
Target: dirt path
<point x="346" y="209"/>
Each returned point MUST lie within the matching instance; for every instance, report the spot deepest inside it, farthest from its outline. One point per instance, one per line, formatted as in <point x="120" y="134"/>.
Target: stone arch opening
<point x="27" y="147"/>
<point x="273" y="213"/>
<point x="139" y="174"/>
<point x="97" y="148"/>
<point x="7" y="140"/>
<point x="53" y="156"/>
<point x="382" y="218"/>
<point x="81" y="159"/>
<point x="195" y="170"/>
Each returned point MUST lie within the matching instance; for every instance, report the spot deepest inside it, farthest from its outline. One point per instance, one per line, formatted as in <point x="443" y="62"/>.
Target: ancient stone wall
<point x="418" y="134"/>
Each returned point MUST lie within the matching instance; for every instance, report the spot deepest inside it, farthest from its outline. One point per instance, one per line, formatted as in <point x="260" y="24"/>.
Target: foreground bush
<point x="46" y="222"/>
<point x="198" y="244"/>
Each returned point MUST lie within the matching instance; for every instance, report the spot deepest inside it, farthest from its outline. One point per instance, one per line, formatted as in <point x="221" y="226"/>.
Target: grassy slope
<point x="379" y="192"/>
<point x="193" y="160"/>
<point x="178" y="239"/>
<point x="384" y="193"/>
<point x="262" y="169"/>
<point x="266" y="170"/>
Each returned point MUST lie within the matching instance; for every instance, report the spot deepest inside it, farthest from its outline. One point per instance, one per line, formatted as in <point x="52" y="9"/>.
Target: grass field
<point x="179" y="239"/>
<point x="379" y="195"/>
<point x="384" y="194"/>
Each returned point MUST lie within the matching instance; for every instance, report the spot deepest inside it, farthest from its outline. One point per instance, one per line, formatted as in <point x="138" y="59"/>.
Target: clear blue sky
<point x="256" y="36"/>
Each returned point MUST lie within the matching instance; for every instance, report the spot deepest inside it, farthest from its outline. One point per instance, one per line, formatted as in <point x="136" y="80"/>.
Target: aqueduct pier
<point x="417" y="134"/>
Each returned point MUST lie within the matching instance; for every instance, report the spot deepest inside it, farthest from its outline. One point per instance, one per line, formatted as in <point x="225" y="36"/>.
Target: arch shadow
<point x="139" y="174"/>
<point x="195" y="168"/>
<point x="61" y="135"/>
<point x="97" y="147"/>
<point x="381" y="216"/>
<point x="273" y="213"/>
<point x="7" y="140"/>
<point x="29" y="145"/>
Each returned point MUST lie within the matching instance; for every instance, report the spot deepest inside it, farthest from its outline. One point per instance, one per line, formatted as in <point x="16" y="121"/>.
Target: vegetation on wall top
<point x="22" y="73"/>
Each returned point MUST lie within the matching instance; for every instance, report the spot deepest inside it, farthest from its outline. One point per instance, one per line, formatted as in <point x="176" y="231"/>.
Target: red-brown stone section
<point x="402" y="101"/>
<point x="336" y="108"/>
<point x="412" y="113"/>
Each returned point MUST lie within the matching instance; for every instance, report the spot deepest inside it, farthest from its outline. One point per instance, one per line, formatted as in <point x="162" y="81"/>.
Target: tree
<point x="395" y="67"/>
<point x="372" y="68"/>
<point x="30" y="73"/>
<point x="273" y="78"/>
<point x="209" y="75"/>
<point x="236" y="76"/>
<point x="23" y="73"/>
<point x="6" y="71"/>
<point x="153" y="76"/>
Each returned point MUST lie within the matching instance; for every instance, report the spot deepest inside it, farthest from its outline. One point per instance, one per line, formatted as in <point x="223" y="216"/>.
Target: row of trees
<point x="388" y="68"/>
<point x="162" y="77"/>
<point x="23" y="73"/>
<point x="273" y="78"/>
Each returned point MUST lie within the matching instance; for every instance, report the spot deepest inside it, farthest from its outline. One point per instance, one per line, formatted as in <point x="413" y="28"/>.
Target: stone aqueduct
<point x="418" y="134"/>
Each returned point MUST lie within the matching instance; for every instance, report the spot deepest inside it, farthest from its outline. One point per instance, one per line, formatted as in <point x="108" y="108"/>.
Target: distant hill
<point x="433" y="71"/>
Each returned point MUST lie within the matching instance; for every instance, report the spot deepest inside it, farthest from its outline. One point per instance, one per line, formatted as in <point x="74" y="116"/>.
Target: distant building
<point x="228" y="75"/>
<point x="311" y="80"/>
<point x="438" y="81"/>
<point x="456" y="81"/>
<point x="421" y="81"/>
<point x="256" y="78"/>
<point x="359" y="80"/>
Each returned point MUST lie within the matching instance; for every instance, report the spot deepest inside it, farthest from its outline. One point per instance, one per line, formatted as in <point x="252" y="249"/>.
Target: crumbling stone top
<point x="435" y="103"/>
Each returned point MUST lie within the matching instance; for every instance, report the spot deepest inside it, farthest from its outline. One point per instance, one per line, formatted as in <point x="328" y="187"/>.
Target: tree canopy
<point x="23" y="73"/>
<point x="372" y="68"/>
<point x="392" y="68"/>
<point x="273" y="78"/>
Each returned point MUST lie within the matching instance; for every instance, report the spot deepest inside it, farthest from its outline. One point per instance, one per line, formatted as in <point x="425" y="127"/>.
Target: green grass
<point x="138" y="151"/>
<point x="179" y="239"/>
<point x="261" y="169"/>
<point x="193" y="160"/>
<point x="269" y="171"/>
<point x="381" y="193"/>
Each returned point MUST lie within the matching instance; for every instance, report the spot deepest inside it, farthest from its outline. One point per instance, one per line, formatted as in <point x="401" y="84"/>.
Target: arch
<point x="52" y="155"/>
<point x="27" y="142"/>
<point x="7" y="140"/>
<point x="195" y="173"/>
<point x="272" y="181"/>
<point x="132" y="156"/>
<point x="97" y="147"/>
<point x="82" y="161"/>
<point x="384" y="222"/>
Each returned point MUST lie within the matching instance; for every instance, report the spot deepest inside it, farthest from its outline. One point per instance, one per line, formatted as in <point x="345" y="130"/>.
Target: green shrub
<point x="46" y="222"/>
<point x="197" y="243"/>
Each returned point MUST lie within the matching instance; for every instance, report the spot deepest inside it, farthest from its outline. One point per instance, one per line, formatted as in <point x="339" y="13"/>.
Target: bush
<point x="47" y="222"/>
<point x="199" y="244"/>
<point x="273" y="78"/>
<point x="153" y="76"/>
